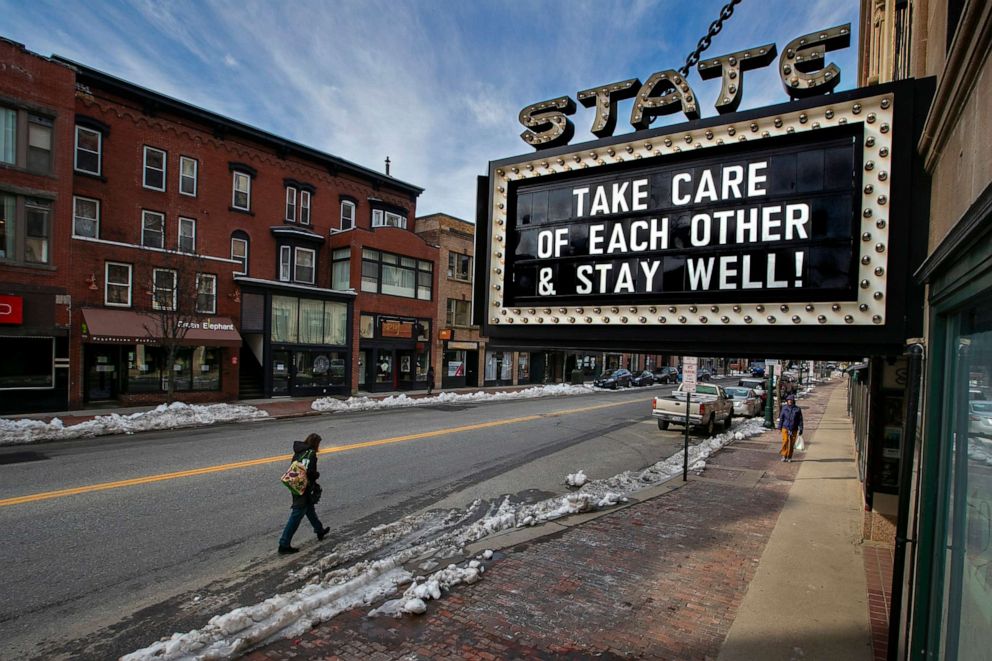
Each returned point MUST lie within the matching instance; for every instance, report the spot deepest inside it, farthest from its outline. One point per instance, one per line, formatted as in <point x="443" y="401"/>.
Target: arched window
<point x="239" y="250"/>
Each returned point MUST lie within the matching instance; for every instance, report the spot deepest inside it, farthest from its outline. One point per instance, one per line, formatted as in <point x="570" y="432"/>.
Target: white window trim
<point x="290" y="215"/>
<point x="213" y="278"/>
<point x="179" y="235"/>
<point x="245" y="242"/>
<point x="145" y="212"/>
<point x="304" y="206"/>
<point x="234" y="189"/>
<point x="351" y="221"/>
<point x="175" y="286"/>
<point x="106" y="284"/>
<point x="99" y="151"/>
<point x="285" y="263"/>
<point x="88" y="199"/>
<point x="196" y="174"/>
<point x="313" y="264"/>
<point x="144" y="169"/>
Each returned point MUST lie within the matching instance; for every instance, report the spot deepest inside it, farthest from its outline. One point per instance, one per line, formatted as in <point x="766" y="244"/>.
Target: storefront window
<point x="423" y="361"/>
<point x="206" y="368"/>
<point x="366" y="327"/>
<point x="523" y="368"/>
<point x="316" y="369"/>
<point x="144" y="369"/>
<point x="28" y="362"/>
<point x="499" y="366"/>
<point x="966" y="608"/>
<point x="455" y="361"/>
<point x="285" y="311"/>
<point x="384" y="368"/>
<point x="362" y="362"/>
<point x="311" y="321"/>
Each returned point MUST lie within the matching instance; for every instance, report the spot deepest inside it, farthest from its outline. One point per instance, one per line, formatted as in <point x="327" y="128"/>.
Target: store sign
<point x="776" y="218"/>
<point x="401" y="329"/>
<point x="801" y="68"/>
<point x="11" y="310"/>
<point x="206" y="324"/>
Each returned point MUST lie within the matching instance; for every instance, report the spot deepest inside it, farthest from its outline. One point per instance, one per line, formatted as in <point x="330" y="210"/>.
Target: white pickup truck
<point x="709" y="406"/>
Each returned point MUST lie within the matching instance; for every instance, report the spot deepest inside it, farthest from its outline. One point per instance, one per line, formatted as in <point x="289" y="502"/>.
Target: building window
<point x="24" y="229"/>
<point x="242" y="191"/>
<point x="396" y="275"/>
<point x="187" y="235"/>
<point x="285" y="263"/>
<point x="459" y="266"/>
<point x="459" y="313"/>
<point x="28" y="362"/>
<point x="303" y="269"/>
<point x="290" y="204"/>
<point x="309" y="321"/>
<point x="154" y="177"/>
<point x="39" y="143"/>
<point x="117" y="291"/>
<point x="341" y="268"/>
<point x="86" y="217"/>
<point x="152" y="229"/>
<point x="382" y="218"/>
<point x="89" y="145"/>
<point x="8" y="136"/>
<point x="305" y="207"/>
<point x="206" y="293"/>
<point x="347" y="215"/>
<point x="163" y="289"/>
<point x="239" y="251"/>
<point x="187" y="175"/>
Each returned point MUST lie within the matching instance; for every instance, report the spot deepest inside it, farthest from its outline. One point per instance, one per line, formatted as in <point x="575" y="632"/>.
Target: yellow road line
<point x="104" y="486"/>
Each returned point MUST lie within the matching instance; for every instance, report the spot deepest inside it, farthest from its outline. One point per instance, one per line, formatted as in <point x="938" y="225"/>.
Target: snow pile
<point x="331" y="404"/>
<point x="413" y="599"/>
<point x="164" y="416"/>
<point x="380" y="554"/>
<point x="576" y="479"/>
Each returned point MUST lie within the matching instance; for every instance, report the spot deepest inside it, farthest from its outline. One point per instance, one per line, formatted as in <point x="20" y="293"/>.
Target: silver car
<point x="746" y="401"/>
<point x="980" y="418"/>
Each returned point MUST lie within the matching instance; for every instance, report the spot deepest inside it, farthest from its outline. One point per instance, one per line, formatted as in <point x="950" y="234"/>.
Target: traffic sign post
<point x="689" y="364"/>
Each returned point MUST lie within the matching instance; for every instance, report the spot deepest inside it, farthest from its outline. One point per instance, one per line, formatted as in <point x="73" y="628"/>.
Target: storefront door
<point x="280" y="372"/>
<point x="101" y="372"/>
<point x="405" y="369"/>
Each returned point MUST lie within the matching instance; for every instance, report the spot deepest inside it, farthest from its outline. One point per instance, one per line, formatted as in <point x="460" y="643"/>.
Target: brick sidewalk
<point x="660" y="579"/>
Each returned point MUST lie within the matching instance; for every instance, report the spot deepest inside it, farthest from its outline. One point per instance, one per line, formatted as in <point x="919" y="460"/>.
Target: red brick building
<point x="179" y="226"/>
<point x="36" y="133"/>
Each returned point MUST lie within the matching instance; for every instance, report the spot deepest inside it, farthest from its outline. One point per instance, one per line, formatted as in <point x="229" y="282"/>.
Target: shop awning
<point x="104" y="326"/>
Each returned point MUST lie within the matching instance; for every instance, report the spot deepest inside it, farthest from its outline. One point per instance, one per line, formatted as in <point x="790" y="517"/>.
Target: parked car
<point x="704" y="374"/>
<point x="645" y="378"/>
<point x="746" y="401"/>
<point x="708" y="407"/>
<point x="980" y="418"/>
<point x="619" y="378"/>
<point x="757" y="370"/>
<point x="759" y="386"/>
<point x="666" y="375"/>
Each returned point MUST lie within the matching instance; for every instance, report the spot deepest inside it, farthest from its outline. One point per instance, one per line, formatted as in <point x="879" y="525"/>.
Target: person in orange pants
<point x="790" y="421"/>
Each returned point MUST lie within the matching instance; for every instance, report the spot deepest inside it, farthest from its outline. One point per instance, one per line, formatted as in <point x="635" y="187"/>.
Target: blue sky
<point x="434" y="84"/>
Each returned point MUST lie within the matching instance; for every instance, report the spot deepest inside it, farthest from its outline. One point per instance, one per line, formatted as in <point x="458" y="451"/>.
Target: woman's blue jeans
<point x="295" y="517"/>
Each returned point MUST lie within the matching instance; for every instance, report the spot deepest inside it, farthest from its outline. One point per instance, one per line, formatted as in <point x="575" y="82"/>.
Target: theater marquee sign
<point x="785" y="219"/>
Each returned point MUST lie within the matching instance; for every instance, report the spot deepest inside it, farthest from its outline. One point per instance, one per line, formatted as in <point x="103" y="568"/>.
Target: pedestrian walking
<point x="303" y="504"/>
<point x="430" y="379"/>
<point x="790" y="421"/>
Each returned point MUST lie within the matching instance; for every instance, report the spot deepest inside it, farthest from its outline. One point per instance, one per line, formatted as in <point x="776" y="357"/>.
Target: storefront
<point x="499" y="368"/>
<point x="394" y="353"/>
<point x="459" y="367"/>
<point x="952" y="615"/>
<point x="126" y="358"/>
<point x="34" y="373"/>
<point x="297" y="339"/>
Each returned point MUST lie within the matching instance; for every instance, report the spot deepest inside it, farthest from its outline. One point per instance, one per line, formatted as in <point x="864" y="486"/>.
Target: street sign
<point x="689" y="365"/>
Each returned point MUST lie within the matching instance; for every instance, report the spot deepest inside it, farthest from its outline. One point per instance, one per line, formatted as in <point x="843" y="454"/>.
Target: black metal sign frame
<point x="866" y="306"/>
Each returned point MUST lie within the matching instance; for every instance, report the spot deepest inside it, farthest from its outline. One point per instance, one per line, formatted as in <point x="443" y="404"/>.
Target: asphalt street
<point x="192" y="531"/>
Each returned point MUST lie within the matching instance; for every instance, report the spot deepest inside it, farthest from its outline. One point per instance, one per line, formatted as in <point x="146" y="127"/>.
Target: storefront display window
<point x="967" y="509"/>
<point x="499" y="366"/>
<point x="384" y="368"/>
<point x="195" y="368"/>
<point x="366" y="328"/>
<point x="423" y="361"/>
<point x="206" y="368"/>
<point x="362" y="362"/>
<point x="523" y="368"/>
<point x="28" y="362"/>
<point x="455" y="361"/>
<point x="315" y="369"/>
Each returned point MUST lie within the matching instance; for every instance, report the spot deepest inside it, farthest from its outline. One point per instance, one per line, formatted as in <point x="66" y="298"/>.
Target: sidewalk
<point x="754" y="559"/>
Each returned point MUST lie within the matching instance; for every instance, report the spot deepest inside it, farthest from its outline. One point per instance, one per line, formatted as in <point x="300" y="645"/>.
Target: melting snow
<point x="398" y="401"/>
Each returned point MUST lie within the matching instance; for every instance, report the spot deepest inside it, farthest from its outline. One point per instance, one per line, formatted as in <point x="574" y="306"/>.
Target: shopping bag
<point x="800" y="444"/>
<point x="295" y="477"/>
